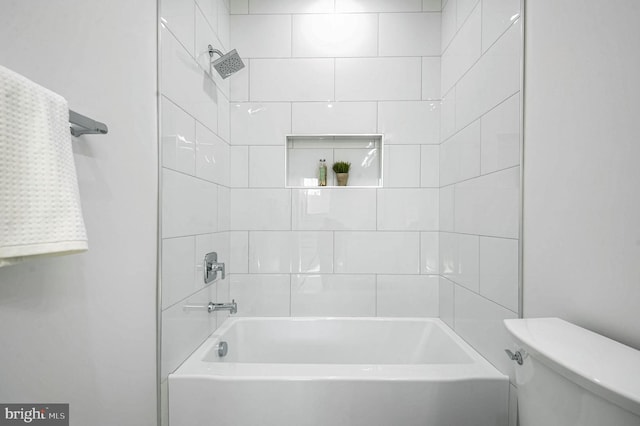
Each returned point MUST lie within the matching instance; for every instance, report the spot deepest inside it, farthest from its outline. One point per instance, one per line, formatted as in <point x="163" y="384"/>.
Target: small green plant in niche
<point x="341" y="169"/>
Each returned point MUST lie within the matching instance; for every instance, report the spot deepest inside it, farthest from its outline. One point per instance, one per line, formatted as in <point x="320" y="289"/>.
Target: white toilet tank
<point x="573" y="377"/>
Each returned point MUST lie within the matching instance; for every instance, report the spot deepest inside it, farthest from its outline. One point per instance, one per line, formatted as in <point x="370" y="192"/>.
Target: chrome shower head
<point x="226" y="64"/>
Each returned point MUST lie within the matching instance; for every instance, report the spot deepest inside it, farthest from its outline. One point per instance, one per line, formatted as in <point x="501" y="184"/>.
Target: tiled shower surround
<point x="325" y="67"/>
<point x="440" y="81"/>
<point x="441" y="236"/>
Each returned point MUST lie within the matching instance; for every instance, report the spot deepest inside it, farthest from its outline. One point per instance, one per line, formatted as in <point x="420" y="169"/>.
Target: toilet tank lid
<point x="597" y="363"/>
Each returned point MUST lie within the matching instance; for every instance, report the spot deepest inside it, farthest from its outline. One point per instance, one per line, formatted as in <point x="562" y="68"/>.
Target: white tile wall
<point x="333" y="209"/>
<point x="448" y="114"/>
<point x="185" y="211"/>
<point x="291" y="79"/>
<point x="184" y="328"/>
<point x="408" y="295"/>
<point x="239" y="7"/>
<point x="186" y="83"/>
<point x="333" y="295"/>
<point x="431" y="5"/>
<point x="334" y="117"/>
<point x="460" y="259"/>
<point x="335" y="35"/>
<point x="402" y="165"/>
<point x="410" y="34"/>
<point x="479" y="171"/>
<point x="178" y="269"/>
<point x="463" y="9"/>
<point x="224" y="213"/>
<point x="449" y="23"/>
<point x="260" y="123"/>
<point x="260" y="36"/>
<point x="460" y="155"/>
<point x="340" y="67"/>
<point x="373" y="79"/>
<point x="489" y="205"/>
<point x="182" y="79"/>
<point x="463" y="51"/>
<point x="212" y="156"/>
<point x="409" y="122"/>
<point x="497" y="16"/>
<point x="499" y="271"/>
<point x="178" y="17"/>
<point x="408" y="209"/>
<point x="446" y="301"/>
<point x="239" y="252"/>
<point x="447" y="208"/>
<point x="266" y="166"/>
<point x="431" y="76"/>
<point x="239" y="84"/>
<point x="290" y="252"/>
<point x="378" y="6"/>
<point x="223" y="23"/>
<point x="178" y="138"/>
<point x="377" y="252"/>
<point x="196" y="159"/>
<point x="206" y="102"/>
<point x="239" y="165"/>
<point x="260" y="209"/>
<point x="495" y="78"/>
<point x="430" y="252"/>
<point x="500" y="139"/>
<point x="209" y="9"/>
<point x="224" y="126"/>
<point x="204" y="36"/>
<point x="430" y="166"/>
<point x="290" y="6"/>
<point x="479" y="322"/>
<point x="221" y="84"/>
<point x="261" y="295"/>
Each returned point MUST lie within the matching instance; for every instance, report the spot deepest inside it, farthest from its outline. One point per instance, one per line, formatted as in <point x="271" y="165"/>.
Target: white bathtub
<point x="337" y="372"/>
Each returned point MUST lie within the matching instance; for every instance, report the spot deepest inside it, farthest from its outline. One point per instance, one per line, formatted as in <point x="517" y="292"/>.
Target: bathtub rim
<point x="195" y="368"/>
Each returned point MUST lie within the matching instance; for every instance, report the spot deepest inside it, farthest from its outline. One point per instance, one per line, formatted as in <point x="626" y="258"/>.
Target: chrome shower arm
<point x="212" y="51"/>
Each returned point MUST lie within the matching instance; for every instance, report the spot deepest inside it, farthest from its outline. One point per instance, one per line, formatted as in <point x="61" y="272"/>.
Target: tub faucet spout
<point x="231" y="307"/>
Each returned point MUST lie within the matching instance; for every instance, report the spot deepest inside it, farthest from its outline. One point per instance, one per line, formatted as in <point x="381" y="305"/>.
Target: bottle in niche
<point x="322" y="173"/>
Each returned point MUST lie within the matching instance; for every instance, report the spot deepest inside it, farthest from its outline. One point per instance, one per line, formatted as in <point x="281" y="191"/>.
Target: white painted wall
<point x="82" y="329"/>
<point x="582" y="179"/>
<point x="335" y="67"/>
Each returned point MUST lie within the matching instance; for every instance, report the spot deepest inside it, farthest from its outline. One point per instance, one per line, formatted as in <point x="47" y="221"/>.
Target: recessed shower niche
<point x="304" y="152"/>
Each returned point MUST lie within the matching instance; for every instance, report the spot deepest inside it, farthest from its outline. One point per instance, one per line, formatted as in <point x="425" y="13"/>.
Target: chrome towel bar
<point x="82" y="125"/>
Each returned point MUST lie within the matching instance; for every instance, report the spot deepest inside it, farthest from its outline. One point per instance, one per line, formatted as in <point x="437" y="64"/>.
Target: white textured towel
<point x="40" y="210"/>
